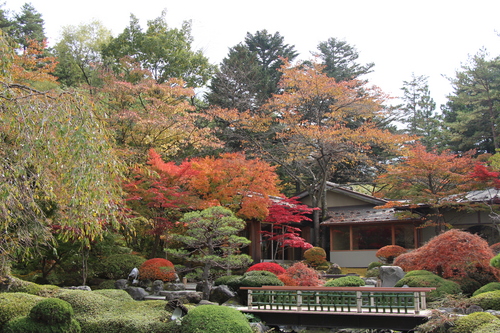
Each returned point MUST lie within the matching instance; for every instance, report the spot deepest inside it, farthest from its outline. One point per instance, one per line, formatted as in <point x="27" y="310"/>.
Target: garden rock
<point x="157" y="287"/>
<point x="174" y="286"/>
<point x="221" y="294"/>
<point x="86" y="288"/>
<point x="187" y="296"/>
<point x="137" y="293"/>
<point x="390" y="275"/>
<point x="473" y="308"/>
<point x="370" y="282"/>
<point x="121" y="284"/>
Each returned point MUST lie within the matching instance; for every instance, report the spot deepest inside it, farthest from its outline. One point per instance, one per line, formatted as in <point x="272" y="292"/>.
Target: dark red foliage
<point x="267" y="266"/>
<point x="299" y="274"/>
<point x="388" y="253"/>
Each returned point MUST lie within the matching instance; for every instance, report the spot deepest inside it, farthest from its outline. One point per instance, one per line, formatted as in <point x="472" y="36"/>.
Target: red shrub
<point x="451" y="254"/>
<point x="388" y="253"/>
<point x="267" y="266"/>
<point x="300" y="275"/>
<point x="287" y="280"/>
<point x="157" y="269"/>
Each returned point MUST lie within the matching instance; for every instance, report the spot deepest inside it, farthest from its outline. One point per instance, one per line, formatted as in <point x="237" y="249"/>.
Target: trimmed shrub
<point x="13" y="305"/>
<point x="215" y="319"/>
<point x="316" y="258"/>
<point x="388" y="253"/>
<point x="488" y="301"/>
<point x="471" y="322"/>
<point x="16" y="285"/>
<point x="118" y="266"/>
<point x="492" y="286"/>
<point x="493" y="327"/>
<point x="346" y="281"/>
<point x="267" y="266"/>
<point x="419" y="272"/>
<point x="374" y="264"/>
<point x="300" y="275"/>
<point x="157" y="269"/>
<point x="226" y="279"/>
<point x="50" y="315"/>
<point x="423" y="279"/>
<point x="451" y="254"/>
<point x="259" y="279"/>
<point x="52" y="311"/>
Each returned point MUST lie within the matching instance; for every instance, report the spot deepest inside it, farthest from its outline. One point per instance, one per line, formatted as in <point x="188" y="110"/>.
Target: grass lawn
<point x="359" y="271"/>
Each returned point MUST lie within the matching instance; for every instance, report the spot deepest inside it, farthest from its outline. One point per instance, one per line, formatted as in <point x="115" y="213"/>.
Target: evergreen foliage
<point x="215" y="319"/>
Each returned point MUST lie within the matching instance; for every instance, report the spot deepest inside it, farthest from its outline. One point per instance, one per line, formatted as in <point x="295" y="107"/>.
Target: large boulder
<point x="390" y="275"/>
<point x="221" y="294"/>
<point x="157" y="287"/>
<point x="121" y="284"/>
<point x="137" y="293"/>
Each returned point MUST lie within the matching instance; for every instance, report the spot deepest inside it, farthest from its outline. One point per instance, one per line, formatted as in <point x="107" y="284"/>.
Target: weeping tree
<point x="58" y="170"/>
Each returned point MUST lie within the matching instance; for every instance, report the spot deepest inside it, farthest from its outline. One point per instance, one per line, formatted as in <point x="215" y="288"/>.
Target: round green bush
<point x="259" y="279"/>
<point x="215" y="319"/>
<point x="13" y="305"/>
<point x="28" y="325"/>
<point x="346" y="281"/>
<point x="488" y="301"/>
<point x="118" y="266"/>
<point x="52" y="311"/>
<point x="418" y="272"/>
<point x="226" y="279"/>
<point x="471" y="322"/>
<point x="443" y="286"/>
<point x="492" y="286"/>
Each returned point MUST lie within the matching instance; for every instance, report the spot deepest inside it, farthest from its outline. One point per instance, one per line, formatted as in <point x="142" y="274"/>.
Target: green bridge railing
<point x="338" y="299"/>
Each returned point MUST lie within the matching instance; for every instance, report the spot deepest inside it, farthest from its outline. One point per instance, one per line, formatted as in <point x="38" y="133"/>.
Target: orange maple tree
<point x="314" y="127"/>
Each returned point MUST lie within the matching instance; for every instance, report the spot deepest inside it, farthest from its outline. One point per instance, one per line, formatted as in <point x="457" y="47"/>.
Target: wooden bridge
<point x="348" y="307"/>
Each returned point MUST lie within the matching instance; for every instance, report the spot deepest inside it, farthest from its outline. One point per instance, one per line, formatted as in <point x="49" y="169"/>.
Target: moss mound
<point x="470" y="323"/>
<point x="14" y="305"/>
<point x="257" y="279"/>
<point x="215" y="319"/>
<point x="16" y="285"/>
<point x="110" y="311"/>
<point x="50" y="315"/>
<point x="488" y="300"/>
<point x="493" y="327"/>
<point x="418" y="272"/>
<point x="429" y="279"/>
<point x="346" y="281"/>
<point x="492" y="286"/>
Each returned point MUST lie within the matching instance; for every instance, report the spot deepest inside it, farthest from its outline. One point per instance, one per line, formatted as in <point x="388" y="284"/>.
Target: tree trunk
<point x="206" y="282"/>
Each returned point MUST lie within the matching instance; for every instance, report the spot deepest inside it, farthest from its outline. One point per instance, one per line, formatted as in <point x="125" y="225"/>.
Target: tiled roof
<point x="360" y="215"/>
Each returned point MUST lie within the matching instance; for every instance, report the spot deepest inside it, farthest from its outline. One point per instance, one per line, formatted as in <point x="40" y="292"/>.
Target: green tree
<point x="211" y="240"/>
<point x="472" y="114"/>
<point x="28" y="24"/>
<point x="79" y="53"/>
<point x="166" y="52"/>
<point x="250" y="73"/>
<point x="417" y="111"/>
<point x="340" y="60"/>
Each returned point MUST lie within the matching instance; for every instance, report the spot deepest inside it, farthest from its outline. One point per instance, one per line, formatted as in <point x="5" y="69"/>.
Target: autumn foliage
<point x="157" y="269"/>
<point x="267" y="266"/>
<point x="451" y="254"/>
<point x="388" y="253"/>
<point x="299" y="274"/>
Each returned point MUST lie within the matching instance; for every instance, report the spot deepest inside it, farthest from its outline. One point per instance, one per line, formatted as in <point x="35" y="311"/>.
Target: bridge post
<point x="416" y="298"/>
<point x="250" y="299"/>
<point x="299" y="300"/>
<point x="359" y="301"/>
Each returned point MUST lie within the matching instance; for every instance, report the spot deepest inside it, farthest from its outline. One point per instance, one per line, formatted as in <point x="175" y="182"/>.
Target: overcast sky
<point x="427" y="37"/>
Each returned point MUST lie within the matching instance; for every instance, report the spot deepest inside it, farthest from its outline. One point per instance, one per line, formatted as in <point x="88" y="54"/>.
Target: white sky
<point x="426" y="37"/>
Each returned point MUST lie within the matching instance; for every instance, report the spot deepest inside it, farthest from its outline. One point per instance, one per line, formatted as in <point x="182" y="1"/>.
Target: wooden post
<point x="299" y="300"/>
<point x="416" y="297"/>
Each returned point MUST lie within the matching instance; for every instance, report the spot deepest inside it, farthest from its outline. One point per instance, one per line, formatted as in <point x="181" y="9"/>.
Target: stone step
<point x="154" y="297"/>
